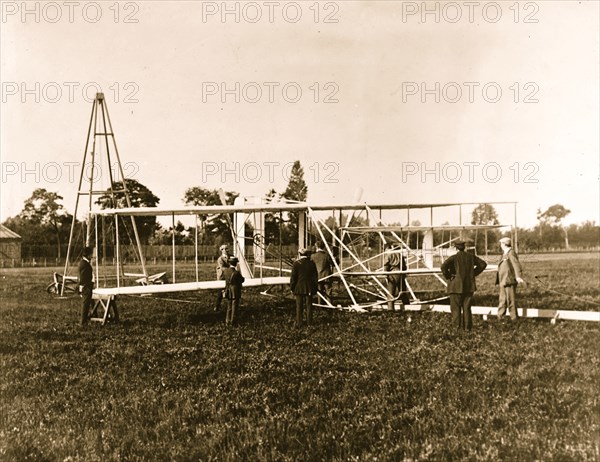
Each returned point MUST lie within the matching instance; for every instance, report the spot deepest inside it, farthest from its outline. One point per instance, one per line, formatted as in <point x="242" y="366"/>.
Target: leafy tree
<point x="440" y="236"/>
<point x="32" y="233"/>
<point x="585" y="235"/>
<point x="413" y="239"/>
<point x="164" y="236"/>
<point x="139" y="196"/>
<point x="529" y="240"/>
<point x="552" y="218"/>
<point x="213" y="229"/>
<point x="44" y="213"/>
<point x="272" y="221"/>
<point x="554" y="214"/>
<point x="296" y="190"/>
<point x="202" y="196"/>
<point x="485" y="214"/>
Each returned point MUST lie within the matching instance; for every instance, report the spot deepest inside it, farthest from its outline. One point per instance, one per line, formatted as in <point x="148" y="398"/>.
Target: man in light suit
<point x="460" y="270"/>
<point x="222" y="263"/>
<point x="303" y="283"/>
<point x="508" y="276"/>
<point x="324" y="266"/>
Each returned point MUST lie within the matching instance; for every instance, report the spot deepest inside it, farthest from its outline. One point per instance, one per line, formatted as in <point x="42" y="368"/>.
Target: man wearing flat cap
<point x="507" y="278"/>
<point x="396" y="283"/>
<point x="304" y="284"/>
<point x="222" y="263"/>
<point x="460" y="270"/>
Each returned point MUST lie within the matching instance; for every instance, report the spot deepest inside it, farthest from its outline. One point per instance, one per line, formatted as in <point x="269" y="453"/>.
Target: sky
<point x="408" y="102"/>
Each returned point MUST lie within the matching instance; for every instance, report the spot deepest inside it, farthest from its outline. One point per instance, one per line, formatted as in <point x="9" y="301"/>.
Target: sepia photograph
<point x="311" y="230"/>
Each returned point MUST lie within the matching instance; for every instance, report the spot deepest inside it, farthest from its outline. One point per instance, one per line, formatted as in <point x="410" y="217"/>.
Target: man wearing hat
<point x="396" y="283"/>
<point x="222" y="263"/>
<point x="508" y="276"/>
<point x="86" y="283"/>
<point x="303" y="283"/>
<point x="324" y="265"/>
<point x="233" y="290"/>
<point x="460" y="270"/>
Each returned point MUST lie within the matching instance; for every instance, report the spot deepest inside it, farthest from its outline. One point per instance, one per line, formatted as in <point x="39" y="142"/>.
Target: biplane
<point x="357" y="252"/>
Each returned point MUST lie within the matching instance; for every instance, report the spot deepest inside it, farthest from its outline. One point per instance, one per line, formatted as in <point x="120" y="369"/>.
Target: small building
<point x="10" y="244"/>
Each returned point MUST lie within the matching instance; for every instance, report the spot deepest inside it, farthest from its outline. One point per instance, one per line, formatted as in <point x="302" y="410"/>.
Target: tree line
<point x="44" y="221"/>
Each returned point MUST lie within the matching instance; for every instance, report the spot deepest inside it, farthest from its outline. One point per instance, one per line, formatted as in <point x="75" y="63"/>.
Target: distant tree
<point x="164" y="236"/>
<point x="485" y="214"/>
<point x="414" y="240"/>
<point x="529" y="240"/>
<point x="33" y="233"/>
<point x="197" y="195"/>
<point x="272" y="221"/>
<point x="586" y="235"/>
<point x="139" y="196"/>
<point x="332" y="224"/>
<point x="270" y="196"/>
<point x="440" y="236"/>
<point x="44" y="212"/>
<point x="554" y="214"/>
<point x="296" y="190"/>
<point x="553" y="217"/>
<point x="213" y="229"/>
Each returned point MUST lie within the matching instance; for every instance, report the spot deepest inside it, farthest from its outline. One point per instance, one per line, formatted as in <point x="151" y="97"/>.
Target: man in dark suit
<point x="460" y="270"/>
<point x="508" y="276"/>
<point x="324" y="266"/>
<point x="233" y="290"/>
<point x="303" y="283"/>
<point x="86" y="284"/>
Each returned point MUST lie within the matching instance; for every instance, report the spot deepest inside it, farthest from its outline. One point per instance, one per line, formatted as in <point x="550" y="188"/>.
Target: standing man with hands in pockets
<point x="507" y="278"/>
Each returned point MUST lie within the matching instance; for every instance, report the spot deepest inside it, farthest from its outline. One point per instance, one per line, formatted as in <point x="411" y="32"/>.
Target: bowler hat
<point x="506" y="241"/>
<point x="233" y="260"/>
<point x="304" y="252"/>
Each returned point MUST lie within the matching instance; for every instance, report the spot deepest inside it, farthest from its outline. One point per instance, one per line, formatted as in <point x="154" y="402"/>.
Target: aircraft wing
<point x="414" y="271"/>
<point x="185" y="287"/>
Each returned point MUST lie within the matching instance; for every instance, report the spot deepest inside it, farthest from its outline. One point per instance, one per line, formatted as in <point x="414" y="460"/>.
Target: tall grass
<point x="171" y="382"/>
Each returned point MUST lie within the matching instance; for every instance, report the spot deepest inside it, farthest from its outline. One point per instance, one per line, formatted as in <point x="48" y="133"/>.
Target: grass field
<point x="171" y="382"/>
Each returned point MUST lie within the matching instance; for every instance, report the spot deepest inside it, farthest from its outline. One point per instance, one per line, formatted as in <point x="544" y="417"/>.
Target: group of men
<point x="308" y="278"/>
<point x="228" y="271"/>
<point x="311" y="277"/>
<point x="461" y="269"/>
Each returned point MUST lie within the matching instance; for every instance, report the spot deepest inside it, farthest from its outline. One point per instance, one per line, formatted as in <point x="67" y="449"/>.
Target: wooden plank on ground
<point x="572" y="315"/>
